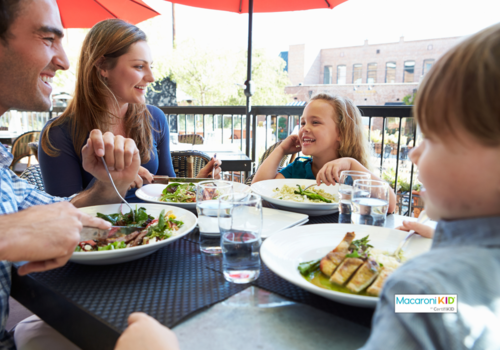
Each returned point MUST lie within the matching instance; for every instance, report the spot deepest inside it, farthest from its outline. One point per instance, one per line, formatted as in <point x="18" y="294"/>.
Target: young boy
<point x="458" y="110"/>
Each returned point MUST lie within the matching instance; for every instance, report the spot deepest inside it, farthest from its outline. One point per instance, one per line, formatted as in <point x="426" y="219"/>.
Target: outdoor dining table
<point x="186" y="291"/>
<point x="8" y="137"/>
<point x="232" y="158"/>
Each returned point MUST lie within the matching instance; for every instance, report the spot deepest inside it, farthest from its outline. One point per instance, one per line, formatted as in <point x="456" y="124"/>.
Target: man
<point x="45" y="235"/>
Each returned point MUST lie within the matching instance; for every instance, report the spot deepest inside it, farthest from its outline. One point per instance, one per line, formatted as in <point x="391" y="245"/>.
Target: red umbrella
<point x="86" y="13"/>
<point x="251" y="6"/>
<point x="242" y="6"/>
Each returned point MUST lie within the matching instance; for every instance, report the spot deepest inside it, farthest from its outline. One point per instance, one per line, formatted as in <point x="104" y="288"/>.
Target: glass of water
<point x="347" y="178"/>
<point x="370" y="202"/>
<point x="240" y="224"/>
<point x="207" y="206"/>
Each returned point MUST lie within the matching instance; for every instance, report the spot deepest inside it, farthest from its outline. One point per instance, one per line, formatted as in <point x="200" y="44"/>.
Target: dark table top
<point x="90" y="304"/>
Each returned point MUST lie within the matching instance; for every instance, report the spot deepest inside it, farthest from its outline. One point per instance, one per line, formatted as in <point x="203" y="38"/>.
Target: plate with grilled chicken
<point x="343" y="262"/>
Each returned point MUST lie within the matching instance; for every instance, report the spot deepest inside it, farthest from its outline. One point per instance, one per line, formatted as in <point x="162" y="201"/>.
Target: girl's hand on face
<point x="329" y="174"/>
<point x="291" y="144"/>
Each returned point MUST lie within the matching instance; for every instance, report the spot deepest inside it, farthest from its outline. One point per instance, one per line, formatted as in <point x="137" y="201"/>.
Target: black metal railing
<point x="277" y="122"/>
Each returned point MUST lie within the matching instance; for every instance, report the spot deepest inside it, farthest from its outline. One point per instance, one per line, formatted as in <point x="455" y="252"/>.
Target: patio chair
<point x="181" y="165"/>
<point x="21" y="149"/>
<point x="34" y="148"/>
<point x="193" y="139"/>
<point x="284" y="161"/>
<point x="387" y="151"/>
<point x="33" y="175"/>
<point x="404" y="153"/>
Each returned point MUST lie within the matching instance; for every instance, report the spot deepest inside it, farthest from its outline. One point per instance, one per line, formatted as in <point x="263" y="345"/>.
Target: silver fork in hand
<point x="118" y="193"/>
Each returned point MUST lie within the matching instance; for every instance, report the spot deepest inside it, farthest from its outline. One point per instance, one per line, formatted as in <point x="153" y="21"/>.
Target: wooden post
<point x="190" y="167"/>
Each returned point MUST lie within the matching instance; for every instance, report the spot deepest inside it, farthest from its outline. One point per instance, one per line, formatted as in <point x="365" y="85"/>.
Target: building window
<point x="371" y="77"/>
<point x="327" y="77"/>
<point x="409" y="73"/>
<point x="357" y="71"/>
<point x="378" y="51"/>
<point x="390" y="72"/>
<point x="341" y="75"/>
<point x="430" y="47"/>
<point x="428" y="65"/>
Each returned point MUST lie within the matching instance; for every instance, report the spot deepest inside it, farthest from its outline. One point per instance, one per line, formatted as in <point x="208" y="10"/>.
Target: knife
<point x="90" y="233"/>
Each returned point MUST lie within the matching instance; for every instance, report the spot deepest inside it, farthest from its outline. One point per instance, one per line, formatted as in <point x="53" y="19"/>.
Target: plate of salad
<point x="289" y="194"/>
<point x="180" y="194"/>
<point x="157" y="226"/>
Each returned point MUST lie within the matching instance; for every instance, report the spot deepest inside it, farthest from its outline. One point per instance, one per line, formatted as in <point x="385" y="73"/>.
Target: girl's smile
<point x="318" y="134"/>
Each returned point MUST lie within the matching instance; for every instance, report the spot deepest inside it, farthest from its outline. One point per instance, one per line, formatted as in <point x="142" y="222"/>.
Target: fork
<point x="308" y="187"/>
<point x="118" y="193"/>
<point x="213" y="168"/>
<point x="421" y="219"/>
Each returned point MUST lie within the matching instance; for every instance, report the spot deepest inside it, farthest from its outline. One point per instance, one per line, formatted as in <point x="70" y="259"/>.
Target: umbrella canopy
<point x="242" y="6"/>
<point x="86" y="13"/>
<point x="251" y="6"/>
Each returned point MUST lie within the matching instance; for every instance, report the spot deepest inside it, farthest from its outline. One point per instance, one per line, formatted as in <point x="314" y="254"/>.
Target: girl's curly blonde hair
<point x="353" y="140"/>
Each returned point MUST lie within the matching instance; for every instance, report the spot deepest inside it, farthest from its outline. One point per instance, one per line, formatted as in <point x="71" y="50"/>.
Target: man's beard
<point x="19" y="85"/>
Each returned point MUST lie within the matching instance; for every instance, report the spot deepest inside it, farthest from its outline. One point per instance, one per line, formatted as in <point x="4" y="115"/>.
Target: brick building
<point x="368" y="74"/>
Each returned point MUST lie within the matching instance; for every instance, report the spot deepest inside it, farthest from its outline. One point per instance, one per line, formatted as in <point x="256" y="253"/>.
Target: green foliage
<point x="389" y="175"/>
<point x="409" y="99"/>
<point x="214" y="77"/>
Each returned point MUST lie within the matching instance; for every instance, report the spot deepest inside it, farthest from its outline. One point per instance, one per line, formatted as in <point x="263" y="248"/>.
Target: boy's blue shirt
<point x="464" y="260"/>
<point x="299" y="169"/>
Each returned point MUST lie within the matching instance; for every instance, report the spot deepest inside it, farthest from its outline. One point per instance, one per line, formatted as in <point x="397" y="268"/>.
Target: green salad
<point x="149" y="230"/>
<point x="179" y="193"/>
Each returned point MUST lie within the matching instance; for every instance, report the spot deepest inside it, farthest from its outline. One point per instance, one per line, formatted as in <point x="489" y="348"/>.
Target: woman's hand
<point x="291" y="144"/>
<point x="421" y="229"/>
<point x="206" y="172"/>
<point x="144" y="177"/>
<point x="329" y="174"/>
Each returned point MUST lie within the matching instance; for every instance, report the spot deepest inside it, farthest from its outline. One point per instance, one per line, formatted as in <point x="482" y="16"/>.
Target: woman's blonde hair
<point x="353" y="141"/>
<point x="462" y="90"/>
<point x="88" y="110"/>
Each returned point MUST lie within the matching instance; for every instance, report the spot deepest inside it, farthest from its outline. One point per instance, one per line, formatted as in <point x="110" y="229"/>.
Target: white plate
<point x="152" y="193"/>
<point x="265" y="190"/>
<point x="283" y="252"/>
<point x="108" y="257"/>
<point x="276" y="220"/>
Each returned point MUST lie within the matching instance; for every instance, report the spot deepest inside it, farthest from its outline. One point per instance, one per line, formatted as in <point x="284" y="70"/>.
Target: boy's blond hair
<point x="462" y="90"/>
<point x="353" y="140"/>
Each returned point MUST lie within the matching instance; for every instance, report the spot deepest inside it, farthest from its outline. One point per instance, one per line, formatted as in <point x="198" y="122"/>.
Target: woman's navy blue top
<point x="64" y="175"/>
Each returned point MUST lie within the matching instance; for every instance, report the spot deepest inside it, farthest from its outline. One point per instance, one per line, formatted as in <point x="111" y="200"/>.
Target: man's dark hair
<point x="9" y="10"/>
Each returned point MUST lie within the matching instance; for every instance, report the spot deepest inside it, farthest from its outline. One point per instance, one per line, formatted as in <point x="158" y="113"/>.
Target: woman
<point x="113" y="73"/>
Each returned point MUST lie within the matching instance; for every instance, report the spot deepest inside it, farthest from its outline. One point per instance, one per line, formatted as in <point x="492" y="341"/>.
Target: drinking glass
<point x="240" y="224"/>
<point x="207" y="206"/>
<point x="347" y="177"/>
<point x="370" y="202"/>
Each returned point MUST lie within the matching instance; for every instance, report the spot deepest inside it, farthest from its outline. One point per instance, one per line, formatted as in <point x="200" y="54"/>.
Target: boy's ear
<point x="101" y="67"/>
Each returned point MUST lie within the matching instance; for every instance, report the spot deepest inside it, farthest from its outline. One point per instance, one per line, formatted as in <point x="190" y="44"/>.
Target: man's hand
<point x="145" y="333"/>
<point x="291" y="145"/>
<point x="43" y="235"/>
<point x="121" y="155"/>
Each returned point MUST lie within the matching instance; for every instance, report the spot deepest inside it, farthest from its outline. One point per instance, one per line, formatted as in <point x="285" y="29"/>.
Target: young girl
<point x="331" y="132"/>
